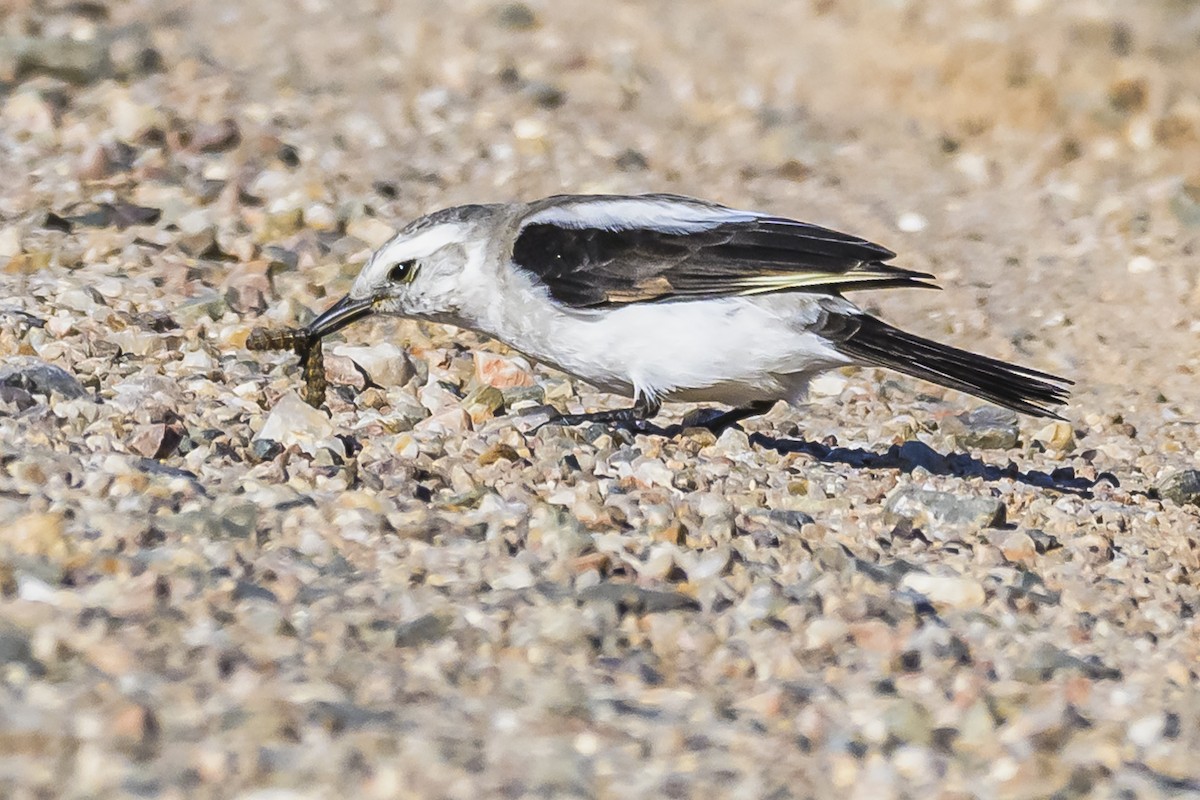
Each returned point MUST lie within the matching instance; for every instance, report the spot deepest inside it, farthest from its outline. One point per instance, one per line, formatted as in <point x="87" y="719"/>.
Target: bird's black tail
<point x="1019" y="388"/>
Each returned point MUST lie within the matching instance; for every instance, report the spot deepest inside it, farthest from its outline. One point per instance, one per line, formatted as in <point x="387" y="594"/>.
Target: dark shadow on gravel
<point x="910" y="455"/>
<point x="904" y="457"/>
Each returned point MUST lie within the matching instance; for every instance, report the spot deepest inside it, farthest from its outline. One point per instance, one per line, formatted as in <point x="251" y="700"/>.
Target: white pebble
<point x="831" y="384"/>
<point x="1145" y="731"/>
<point x="320" y="216"/>
<point x="386" y="363"/>
<point x="10" y="242"/>
<point x="709" y="565"/>
<point x="1140" y="265"/>
<point x="911" y="222"/>
<point x="294" y="422"/>
<point x="197" y="360"/>
<point x="35" y="590"/>
<point x="654" y="473"/>
<point x="370" y="230"/>
<point x="946" y="590"/>
<point x="529" y="129"/>
<point x="59" y="325"/>
<point x="974" y="167"/>
<point x="1140" y="132"/>
<point x="824" y="631"/>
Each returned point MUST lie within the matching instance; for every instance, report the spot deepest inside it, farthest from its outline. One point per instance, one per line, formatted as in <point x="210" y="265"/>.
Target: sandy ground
<point x="207" y="590"/>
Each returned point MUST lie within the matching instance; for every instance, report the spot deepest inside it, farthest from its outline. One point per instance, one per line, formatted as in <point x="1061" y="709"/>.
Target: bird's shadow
<point x="904" y="457"/>
<point x="912" y="454"/>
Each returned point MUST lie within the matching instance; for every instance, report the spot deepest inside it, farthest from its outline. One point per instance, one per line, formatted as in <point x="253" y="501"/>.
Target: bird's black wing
<point x="603" y="250"/>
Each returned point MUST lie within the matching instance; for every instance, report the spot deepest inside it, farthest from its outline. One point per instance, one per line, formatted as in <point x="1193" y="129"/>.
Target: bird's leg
<point x="719" y="422"/>
<point x="643" y="410"/>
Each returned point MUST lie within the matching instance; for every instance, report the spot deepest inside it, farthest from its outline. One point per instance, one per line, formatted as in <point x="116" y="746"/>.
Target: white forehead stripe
<point x="403" y="247"/>
<point x="419" y="244"/>
<point x="668" y="216"/>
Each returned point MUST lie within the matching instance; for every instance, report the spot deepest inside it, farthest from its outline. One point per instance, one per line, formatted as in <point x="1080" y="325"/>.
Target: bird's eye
<point x="403" y="272"/>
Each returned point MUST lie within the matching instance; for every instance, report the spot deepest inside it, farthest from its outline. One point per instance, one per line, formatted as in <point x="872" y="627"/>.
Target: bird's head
<point x="418" y="273"/>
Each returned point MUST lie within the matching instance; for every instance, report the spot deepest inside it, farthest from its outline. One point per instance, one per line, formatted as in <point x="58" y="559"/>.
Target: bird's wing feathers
<point x="600" y="250"/>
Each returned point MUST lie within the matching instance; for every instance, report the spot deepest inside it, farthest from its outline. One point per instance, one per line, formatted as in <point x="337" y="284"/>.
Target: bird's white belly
<point x="728" y="350"/>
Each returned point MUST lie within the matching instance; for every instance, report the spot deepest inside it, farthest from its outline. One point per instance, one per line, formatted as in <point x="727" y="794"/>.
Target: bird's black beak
<point x="342" y="313"/>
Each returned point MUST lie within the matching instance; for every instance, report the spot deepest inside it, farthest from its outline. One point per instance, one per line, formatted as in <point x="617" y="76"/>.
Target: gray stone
<point x="422" y="630"/>
<point x="783" y="517"/>
<point x="1047" y="660"/>
<point x="987" y="428"/>
<point x="16" y="649"/>
<point x="341" y="716"/>
<point x="631" y="161"/>
<point x="240" y="520"/>
<point x="517" y="17"/>
<point x="16" y="397"/>
<point x="39" y="377"/>
<point x="634" y="599"/>
<point x="935" y="511"/>
<point x="908" y="721"/>
<point x="265" y="449"/>
<point x="406" y="412"/>
<point x="248" y="590"/>
<point x="236" y="521"/>
<point x="546" y="95"/>
<point x="1042" y="541"/>
<point x="523" y="397"/>
<point x="132" y="53"/>
<point x="1186" y="205"/>
<point x="72" y="60"/>
<point x="484" y="401"/>
<point x="1182" y="487"/>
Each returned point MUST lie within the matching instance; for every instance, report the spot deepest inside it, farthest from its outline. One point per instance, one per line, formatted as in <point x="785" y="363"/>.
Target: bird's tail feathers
<point x="1019" y="388"/>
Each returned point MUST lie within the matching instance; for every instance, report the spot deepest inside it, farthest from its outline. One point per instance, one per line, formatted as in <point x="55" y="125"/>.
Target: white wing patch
<point x="761" y="284"/>
<point x="624" y="213"/>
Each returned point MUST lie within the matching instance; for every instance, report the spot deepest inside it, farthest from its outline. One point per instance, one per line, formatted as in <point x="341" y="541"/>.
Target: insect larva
<point x="307" y="347"/>
<point x="314" y="375"/>
<point x="280" y="339"/>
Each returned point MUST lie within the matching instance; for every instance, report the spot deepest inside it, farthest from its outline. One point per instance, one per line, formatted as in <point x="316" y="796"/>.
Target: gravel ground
<point x="208" y="589"/>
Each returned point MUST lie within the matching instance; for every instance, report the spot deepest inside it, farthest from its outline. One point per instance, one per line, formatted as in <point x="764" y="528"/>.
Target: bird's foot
<point x="636" y="419"/>
<point x="614" y="419"/>
<point x="718" y="421"/>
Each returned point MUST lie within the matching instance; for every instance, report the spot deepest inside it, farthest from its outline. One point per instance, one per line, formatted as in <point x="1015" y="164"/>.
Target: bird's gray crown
<point x="456" y="215"/>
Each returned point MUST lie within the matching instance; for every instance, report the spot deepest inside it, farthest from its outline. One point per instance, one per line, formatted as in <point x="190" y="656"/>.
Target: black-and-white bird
<point x="667" y="298"/>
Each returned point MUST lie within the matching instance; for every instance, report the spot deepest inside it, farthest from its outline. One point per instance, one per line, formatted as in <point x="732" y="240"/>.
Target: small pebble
<point x="216" y="137"/>
<point x="942" y="590"/>
<point x="911" y="222"/>
<point x="385" y="363"/>
<point x="1058" y="436"/>
<point x="1182" y="487"/>
<point x="942" y="512"/>
<point x="987" y="427"/>
<point x="517" y="16"/>
<point x="292" y="422"/>
<point x="1141" y="265"/>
